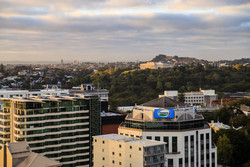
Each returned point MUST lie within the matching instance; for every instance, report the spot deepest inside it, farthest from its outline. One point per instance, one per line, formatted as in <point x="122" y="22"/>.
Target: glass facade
<point x="182" y="125"/>
<point x="60" y="128"/>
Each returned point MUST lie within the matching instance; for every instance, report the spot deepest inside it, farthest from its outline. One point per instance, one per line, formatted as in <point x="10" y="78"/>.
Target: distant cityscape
<point x="73" y="114"/>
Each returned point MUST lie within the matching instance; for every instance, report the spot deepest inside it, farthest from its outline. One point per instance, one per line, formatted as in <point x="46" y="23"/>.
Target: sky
<point x="129" y="30"/>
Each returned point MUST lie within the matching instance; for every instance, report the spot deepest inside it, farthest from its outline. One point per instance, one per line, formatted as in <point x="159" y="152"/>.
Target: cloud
<point x="133" y="28"/>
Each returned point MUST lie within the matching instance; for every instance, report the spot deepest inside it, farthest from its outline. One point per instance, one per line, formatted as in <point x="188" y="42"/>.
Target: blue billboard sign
<point x="164" y="113"/>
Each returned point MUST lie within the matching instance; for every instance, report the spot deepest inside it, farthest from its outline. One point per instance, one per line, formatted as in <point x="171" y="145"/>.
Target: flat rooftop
<point x="142" y="142"/>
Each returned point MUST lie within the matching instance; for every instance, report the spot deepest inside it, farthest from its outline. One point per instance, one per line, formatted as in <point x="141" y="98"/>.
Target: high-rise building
<point x="193" y="98"/>
<point x="114" y="150"/>
<point x="89" y="90"/>
<point x="60" y="128"/>
<point x="188" y="138"/>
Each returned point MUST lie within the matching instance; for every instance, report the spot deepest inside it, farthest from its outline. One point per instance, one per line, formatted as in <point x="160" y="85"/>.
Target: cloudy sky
<point x="129" y="30"/>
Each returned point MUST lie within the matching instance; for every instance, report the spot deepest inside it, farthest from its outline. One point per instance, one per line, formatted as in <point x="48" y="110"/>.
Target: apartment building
<point x="60" y="128"/>
<point x="187" y="136"/>
<point x="193" y="98"/>
<point x="114" y="150"/>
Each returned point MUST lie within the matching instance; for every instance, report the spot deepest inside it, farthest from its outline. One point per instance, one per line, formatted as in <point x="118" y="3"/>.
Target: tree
<point x="113" y="105"/>
<point x="181" y="96"/>
<point x="168" y="85"/>
<point x="159" y="86"/>
<point x="224" y="150"/>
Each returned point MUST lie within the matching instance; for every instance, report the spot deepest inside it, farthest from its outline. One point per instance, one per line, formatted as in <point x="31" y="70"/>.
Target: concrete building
<point x="18" y="154"/>
<point x="89" y="90"/>
<point x="193" y="98"/>
<point x="115" y="150"/>
<point x="111" y="121"/>
<point x="187" y="136"/>
<point x="60" y="128"/>
<point x="155" y="65"/>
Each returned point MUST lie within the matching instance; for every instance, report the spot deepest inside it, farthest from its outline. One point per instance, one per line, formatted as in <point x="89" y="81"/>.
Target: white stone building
<point x="187" y="136"/>
<point x="193" y="98"/>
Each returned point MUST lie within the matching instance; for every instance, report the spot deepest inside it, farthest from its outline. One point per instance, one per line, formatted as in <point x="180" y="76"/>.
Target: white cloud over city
<point x="112" y="30"/>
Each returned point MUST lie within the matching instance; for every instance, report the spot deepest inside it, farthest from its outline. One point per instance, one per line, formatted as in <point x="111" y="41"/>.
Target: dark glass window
<point x="180" y="162"/>
<point x="174" y="144"/>
<point x="170" y="162"/>
<point x="157" y="138"/>
<point x="165" y="139"/>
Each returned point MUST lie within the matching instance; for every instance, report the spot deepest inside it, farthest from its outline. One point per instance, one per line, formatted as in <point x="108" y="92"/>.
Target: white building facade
<point x="5" y="93"/>
<point x="193" y="98"/>
<point x="114" y="150"/>
<point x="187" y="137"/>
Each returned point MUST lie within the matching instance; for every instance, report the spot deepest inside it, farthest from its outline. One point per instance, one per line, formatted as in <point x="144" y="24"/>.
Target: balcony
<point x="155" y="161"/>
<point x="153" y="152"/>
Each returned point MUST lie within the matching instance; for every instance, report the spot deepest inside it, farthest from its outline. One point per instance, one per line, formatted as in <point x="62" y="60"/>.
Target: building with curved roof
<point x="187" y="136"/>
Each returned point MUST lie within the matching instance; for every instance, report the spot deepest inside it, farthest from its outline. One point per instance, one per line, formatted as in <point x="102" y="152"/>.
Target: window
<point x="102" y="150"/>
<point x="170" y="163"/>
<point x="130" y="147"/>
<point x="180" y="162"/>
<point x="132" y="135"/>
<point x="120" y="146"/>
<point x="202" y="136"/>
<point x="174" y="144"/>
<point x="113" y="153"/>
<point x="95" y="140"/>
<point x="113" y="161"/>
<point x="149" y="137"/>
<point x="120" y="154"/>
<point x="103" y="142"/>
<point x="157" y="138"/>
<point x="165" y="139"/>
<point x="186" y="150"/>
<point x="130" y="155"/>
<point x="120" y="163"/>
<point x="103" y="158"/>
<point x="126" y="134"/>
<point x="139" y="148"/>
<point x="121" y="133"/>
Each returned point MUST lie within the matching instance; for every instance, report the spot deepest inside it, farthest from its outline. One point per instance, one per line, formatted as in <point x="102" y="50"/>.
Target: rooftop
<point x="18" y="147"/>
<point x="142" y="142"/>
<point x="30" y="159"/>
<point x="163" y="102"/>
<point x="36" y="160"/>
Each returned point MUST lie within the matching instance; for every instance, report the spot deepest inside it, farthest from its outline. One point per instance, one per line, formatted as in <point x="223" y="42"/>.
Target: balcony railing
<point x="155" y="161"/>
<point x="152" y="152"/>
